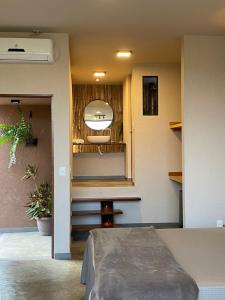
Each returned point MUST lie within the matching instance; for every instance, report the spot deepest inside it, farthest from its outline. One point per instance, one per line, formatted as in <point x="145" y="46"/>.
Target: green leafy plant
<point x="16" y="134"/>
<point x="40" y="200"/>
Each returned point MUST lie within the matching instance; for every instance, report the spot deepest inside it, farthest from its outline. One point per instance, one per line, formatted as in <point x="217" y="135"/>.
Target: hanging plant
<point x="31" y="141"/>
<point x="16" y="134"/>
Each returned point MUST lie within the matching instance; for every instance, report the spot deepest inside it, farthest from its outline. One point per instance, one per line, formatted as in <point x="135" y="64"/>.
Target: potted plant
<point x="16" y="134"/>
<point x="40" y="202"/>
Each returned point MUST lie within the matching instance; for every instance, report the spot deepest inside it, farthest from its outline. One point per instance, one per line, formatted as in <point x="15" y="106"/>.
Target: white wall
<point x="93" y="164"/>
<point x="203" y="81"/>
<point x="156" y="150"/>
<point x="52" y="80"/>
<point x="127" y="136"/>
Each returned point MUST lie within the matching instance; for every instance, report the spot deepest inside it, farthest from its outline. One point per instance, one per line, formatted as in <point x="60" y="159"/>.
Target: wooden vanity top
<point x="94" y="148"/>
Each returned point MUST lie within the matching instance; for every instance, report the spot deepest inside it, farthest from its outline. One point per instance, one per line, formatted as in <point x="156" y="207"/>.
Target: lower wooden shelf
<point x="80" y="213"/>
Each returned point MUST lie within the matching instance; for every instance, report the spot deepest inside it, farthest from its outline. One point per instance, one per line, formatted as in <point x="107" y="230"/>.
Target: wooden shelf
<point x="81" y="213"/>
<point x="175" y="176"/>
<point x="175" y="125"/>
<point x="102" y="183"/>
<point x="105" y="199"/>
<point x="107" y="212"/>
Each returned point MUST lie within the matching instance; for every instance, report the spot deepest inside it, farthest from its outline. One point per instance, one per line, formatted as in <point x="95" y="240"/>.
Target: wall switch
<point x="219" y="223"/>
<point x="62" y="171"/>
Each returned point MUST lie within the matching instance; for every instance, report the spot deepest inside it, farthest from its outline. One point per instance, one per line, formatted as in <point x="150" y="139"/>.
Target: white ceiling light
<point x="99" y="74"/>
<point x="124" y="53"/>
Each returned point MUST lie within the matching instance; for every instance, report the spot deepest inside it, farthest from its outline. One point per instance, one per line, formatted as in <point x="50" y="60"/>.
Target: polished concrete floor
<point x="42" y="279"/>
<point x="24" y="246"/>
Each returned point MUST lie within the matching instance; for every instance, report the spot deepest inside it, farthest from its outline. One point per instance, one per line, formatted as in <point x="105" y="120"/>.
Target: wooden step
<point x="105" y="199"/>
<point x="102" y="183"/>
<point x="81" y="213"/>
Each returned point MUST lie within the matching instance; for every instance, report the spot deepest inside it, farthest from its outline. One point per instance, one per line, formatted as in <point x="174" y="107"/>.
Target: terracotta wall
<point x="13" y="191"/>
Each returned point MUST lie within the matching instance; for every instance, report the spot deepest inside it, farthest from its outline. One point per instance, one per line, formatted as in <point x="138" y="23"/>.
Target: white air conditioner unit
<point x="26" y="50"/>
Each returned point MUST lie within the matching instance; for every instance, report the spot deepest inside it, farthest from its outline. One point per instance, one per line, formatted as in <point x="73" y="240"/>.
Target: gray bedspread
<point x="132" y="264"/>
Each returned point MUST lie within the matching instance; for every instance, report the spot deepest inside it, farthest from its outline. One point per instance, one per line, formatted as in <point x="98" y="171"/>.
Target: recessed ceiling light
<point x="124" y="53"/>
<point x="99" y="74"/>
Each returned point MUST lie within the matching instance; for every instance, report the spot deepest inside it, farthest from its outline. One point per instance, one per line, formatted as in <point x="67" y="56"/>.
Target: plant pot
<point x="32" y="142"/>
<point x="44" y="226"/>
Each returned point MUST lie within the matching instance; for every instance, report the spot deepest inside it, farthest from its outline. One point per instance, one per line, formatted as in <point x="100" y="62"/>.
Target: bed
<point x="199" y="264"/>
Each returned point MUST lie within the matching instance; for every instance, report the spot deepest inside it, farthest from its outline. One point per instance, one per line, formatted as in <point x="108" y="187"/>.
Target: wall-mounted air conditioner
<point x="26" y="50"/>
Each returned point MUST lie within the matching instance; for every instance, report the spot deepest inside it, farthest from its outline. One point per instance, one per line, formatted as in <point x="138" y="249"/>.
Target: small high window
<point x="150" y="95"/>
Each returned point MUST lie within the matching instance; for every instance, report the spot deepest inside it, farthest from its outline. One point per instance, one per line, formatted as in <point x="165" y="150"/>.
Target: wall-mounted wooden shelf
<point x="175" y="176"/>
<point x="175" y="125"/>
<point x="80" y="213"/>
<point x="107" y="212"/>
<point x="94" y="148"/>
<point x="105" y="199"/>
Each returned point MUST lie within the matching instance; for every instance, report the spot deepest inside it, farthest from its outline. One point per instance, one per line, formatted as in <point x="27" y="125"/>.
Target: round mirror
<point x="98" y="115"/>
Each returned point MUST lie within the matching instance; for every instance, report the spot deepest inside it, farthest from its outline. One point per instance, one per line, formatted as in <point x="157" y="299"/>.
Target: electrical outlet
<point x="219" y="223"/>
<point x="62" y="171"/>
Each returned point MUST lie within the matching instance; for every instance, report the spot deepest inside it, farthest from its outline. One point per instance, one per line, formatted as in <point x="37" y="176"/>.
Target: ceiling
<point x="151" y="28"/>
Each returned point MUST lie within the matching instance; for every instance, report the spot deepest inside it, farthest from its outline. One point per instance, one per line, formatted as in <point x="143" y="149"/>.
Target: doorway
<point x="19" y="237"/>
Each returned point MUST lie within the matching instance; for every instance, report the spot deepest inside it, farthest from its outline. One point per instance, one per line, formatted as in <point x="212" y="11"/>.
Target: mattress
<point x="201" y="253"/>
